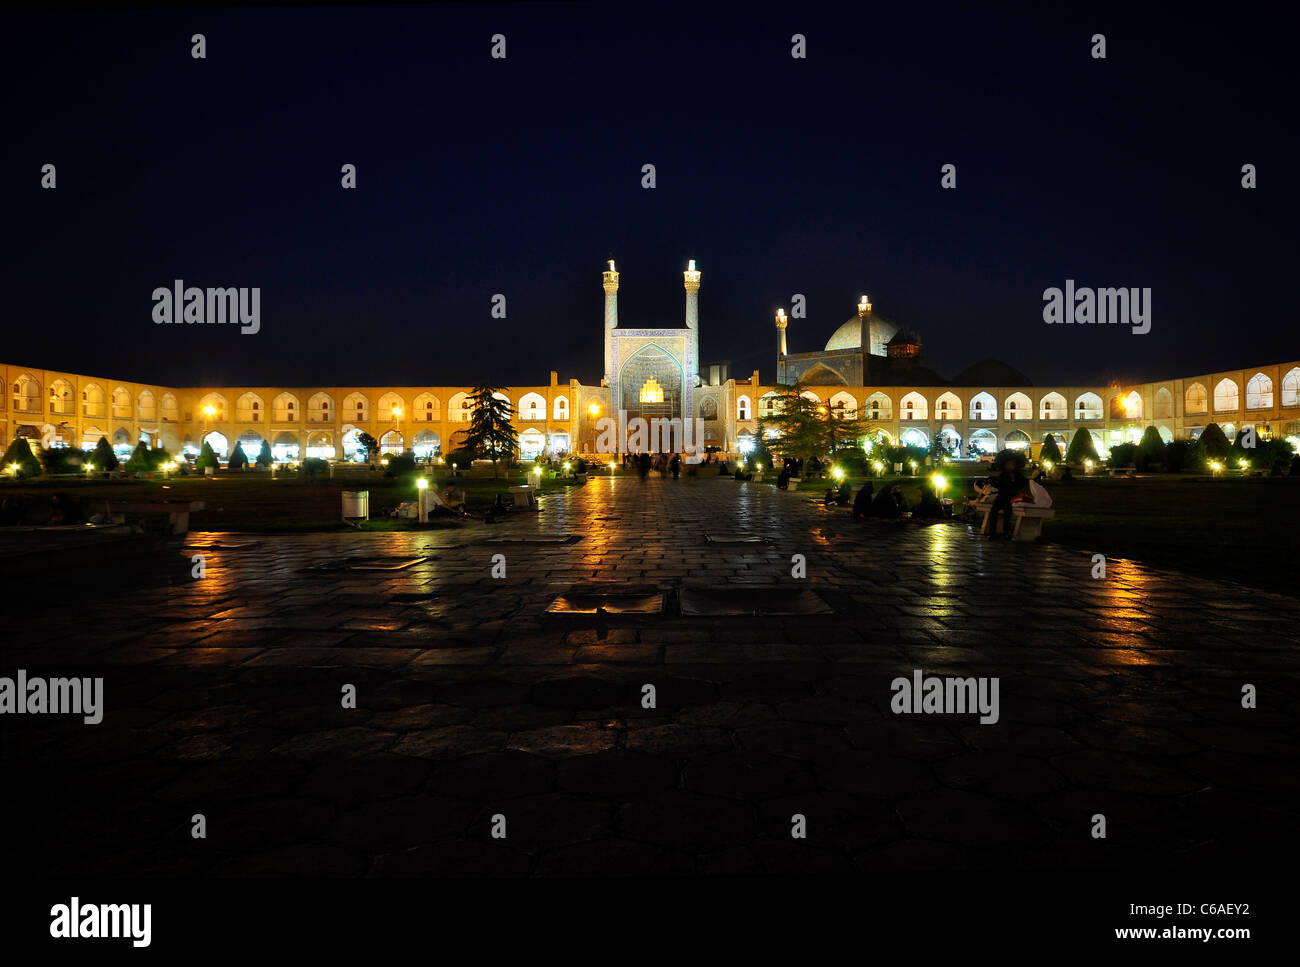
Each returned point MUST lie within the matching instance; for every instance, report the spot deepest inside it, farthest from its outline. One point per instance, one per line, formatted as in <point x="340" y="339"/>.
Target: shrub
<point x="1081" y="448"/>
<point x="1183" y="455"/>
<point x="314" y="465"/>
<point x="1122" y="454"/>
<point x="1214" y="443"/>
<point x="20" y="454"/>
<point x="207" y="457"/>
<point x="238" y="459"/>
<point x="264" y="458"/>
<point x="1150" y="449"/>
<point x="63" y="459"/>
<point x="852" y="460"/>
<point x="401" y="464"/>
<point x="104" y="458"/>
<point x="158" y="456"/>
<point x="139" y="460"/>
<point x="1051" y="452"/>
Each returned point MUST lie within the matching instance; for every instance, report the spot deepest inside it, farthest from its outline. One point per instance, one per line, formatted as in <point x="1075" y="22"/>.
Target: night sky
<point x="478" y="176"/>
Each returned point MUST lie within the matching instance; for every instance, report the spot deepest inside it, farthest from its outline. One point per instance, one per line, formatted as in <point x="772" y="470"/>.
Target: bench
<point x="177" y="511"/>
<point x="524" y="496"/>
<point x="1028" y="517"/>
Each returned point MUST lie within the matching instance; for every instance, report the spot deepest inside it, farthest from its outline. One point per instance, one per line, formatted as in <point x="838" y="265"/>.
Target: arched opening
<point x="217" y="440"/>
<point x="982" y="443"/>
<point x="391" y="443"/>
<point x="321" y="444"/>
<point x="427" y="445"/>
<point x="285" y="447"/>
<point x="1088" y="406"/>
<point x="1164" y="408"/>
<point x="1259" y="393"/>
<point x="1196" y="399"/>
<point x="1225" y="397"/>
<point x="1017" y="440"/>
<point x="983" y="407"/>
<point x="532" y="442"/>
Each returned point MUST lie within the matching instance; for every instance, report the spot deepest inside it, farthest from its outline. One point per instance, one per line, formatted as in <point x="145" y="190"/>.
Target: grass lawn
<point x="253" y="502"/>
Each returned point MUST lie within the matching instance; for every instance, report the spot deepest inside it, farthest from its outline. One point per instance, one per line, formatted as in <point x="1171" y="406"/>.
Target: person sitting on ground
<point x="889" y="502"/>
<point x="454" y="500"/>
<point x="839" y="495"/>
<point x="724" y="469"/>
<point x="862" y="502"/>
<point x="1066" y="477"/>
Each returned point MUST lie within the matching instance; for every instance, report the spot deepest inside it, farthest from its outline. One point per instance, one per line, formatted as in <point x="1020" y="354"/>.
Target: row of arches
<point x="948" y="406"/>
<point x="425" y="444"/>
<point x="93" y="402"/>
<point x="1259" y="394"/>
<point x="357" y="407"/>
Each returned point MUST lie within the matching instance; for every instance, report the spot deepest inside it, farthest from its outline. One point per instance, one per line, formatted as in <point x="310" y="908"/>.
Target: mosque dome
<point x="847" y="336"/>
<point x="991" y="372"/>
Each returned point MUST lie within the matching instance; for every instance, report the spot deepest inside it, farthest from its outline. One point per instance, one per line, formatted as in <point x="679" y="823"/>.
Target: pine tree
<point x="264" y="458"/>
<point x="139" y="460"/>
<point x="1051" y="452"/>
<point x="19" y="454"/>
<point x="104" y="458"/>
<point x="1214" y="442"/>
<point x="490" y="436"/>
<point x="1082" y="448"/>
<point x="207" y="457"/>
<point x="800" y="431"/>
<point x="238" y="458"/>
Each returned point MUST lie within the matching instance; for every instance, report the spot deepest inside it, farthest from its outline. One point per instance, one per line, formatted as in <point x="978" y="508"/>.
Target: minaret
<point x="780" y="344"/>
<point x="864" y="331"/>
<point x="611" y="319"/>
<point x="691" y="278"/>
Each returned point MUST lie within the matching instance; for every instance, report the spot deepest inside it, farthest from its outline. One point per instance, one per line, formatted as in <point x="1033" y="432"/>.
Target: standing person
<point x="675" y="465"/>
<point x="643" y="465"/>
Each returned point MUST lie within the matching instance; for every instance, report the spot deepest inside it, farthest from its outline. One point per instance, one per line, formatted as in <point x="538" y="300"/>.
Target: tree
<point x="238" y="458"/>
<point x="804" y="427"/>
<point x="19" y="455"/>
<point x="207" y="457"/>
<point x="1051" y="452"/>
<point x="367" y="444"/>
<point x="264" y="457"/>
<point x="490" y="435"/>
<point x="1151" y="449"/>
<point x="139" y="460"/>
<point x="104" y="458"/>
<point x="1081" y="448"/>
<point x="1214" y="442"/>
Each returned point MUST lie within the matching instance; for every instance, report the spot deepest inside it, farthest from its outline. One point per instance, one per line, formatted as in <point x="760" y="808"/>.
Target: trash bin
<point x="356" y="503"/>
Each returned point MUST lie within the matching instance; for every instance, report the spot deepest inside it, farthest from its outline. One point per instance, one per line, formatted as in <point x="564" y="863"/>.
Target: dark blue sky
<point x="478" y="176"/>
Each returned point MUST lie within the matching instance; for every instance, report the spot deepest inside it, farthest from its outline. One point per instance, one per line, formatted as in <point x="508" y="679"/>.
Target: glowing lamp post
<point x="422" y="500"/>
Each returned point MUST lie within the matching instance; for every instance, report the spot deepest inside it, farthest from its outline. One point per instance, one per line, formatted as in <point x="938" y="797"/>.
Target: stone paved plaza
<point x="1119" y="696"/>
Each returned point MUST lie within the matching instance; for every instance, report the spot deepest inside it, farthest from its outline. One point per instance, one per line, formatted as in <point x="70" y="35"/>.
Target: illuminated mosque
<point x="871" y="369"/>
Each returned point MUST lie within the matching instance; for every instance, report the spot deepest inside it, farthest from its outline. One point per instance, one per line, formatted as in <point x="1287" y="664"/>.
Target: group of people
<point x="889" y="502"/>
<point x="662" y="463"/>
